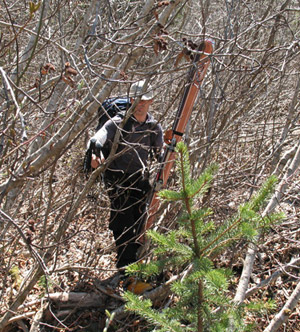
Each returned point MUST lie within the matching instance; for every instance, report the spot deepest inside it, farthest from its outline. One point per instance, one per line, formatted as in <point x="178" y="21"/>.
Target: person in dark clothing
<point x="126" y="175"/>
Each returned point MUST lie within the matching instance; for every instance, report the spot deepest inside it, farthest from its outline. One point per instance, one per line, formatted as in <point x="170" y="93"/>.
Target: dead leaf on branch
<point x="160" y="42"/>
<point x="187" y="51"/>
<point x="123" y="75"/>
<point x="68" y="80"/>
<point x="163" y="3"/>
<point x="47" y="68"/>
<point x="67" y="76"/>
<point x="160" y="5"/>
<point x="69" y="70"/>
<point x="155" y="13"/>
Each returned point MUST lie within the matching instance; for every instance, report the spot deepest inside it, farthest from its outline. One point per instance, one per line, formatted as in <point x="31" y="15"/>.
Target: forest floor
<point x="87" y="265"/>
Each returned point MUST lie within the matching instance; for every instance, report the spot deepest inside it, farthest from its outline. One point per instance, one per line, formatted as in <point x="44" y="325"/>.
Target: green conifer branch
<point x="185" y="178"/>
<point x="202" y="302"/>
<point x="203" y="250"/>
<point x="143" y="306"/>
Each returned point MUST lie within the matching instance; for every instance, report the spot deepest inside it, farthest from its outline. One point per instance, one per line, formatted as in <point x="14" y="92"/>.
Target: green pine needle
<point x="267" y="188"/>
<point x="143" y="307"/>
<point x="171" y="195"/>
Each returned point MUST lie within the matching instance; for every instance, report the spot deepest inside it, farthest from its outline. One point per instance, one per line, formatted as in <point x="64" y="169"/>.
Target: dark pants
<point x="128" y="194"/>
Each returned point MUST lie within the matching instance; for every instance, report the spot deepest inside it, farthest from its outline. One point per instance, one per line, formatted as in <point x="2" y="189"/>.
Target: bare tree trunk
<point x="285" y="182"/>
<point x="246" y="274"/>
<point x="285" y="312"/>
<point x="290" y="122"/>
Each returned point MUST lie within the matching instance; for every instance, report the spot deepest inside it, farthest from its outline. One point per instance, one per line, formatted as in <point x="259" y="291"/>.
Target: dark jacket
<point x="136" y="142"/>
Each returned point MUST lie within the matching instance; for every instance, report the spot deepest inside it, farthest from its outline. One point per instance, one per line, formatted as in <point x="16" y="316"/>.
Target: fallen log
<point x="78" y="299"/>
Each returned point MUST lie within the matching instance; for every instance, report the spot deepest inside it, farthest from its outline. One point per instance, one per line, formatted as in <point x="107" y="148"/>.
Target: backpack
<point x="112" y="106"/>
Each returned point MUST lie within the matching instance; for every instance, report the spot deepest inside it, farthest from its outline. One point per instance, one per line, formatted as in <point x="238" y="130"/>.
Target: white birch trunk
<point x="285" y="312"/>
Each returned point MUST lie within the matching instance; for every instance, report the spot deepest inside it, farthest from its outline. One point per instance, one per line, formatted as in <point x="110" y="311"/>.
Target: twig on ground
<point x="273" y="277"/>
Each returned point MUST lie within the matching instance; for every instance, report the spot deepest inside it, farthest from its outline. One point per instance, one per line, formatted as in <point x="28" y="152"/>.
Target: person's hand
<point x="95" y="161"/>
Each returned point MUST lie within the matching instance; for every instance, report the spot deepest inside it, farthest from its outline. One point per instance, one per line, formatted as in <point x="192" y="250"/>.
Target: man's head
<point x="146" y="98"/>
